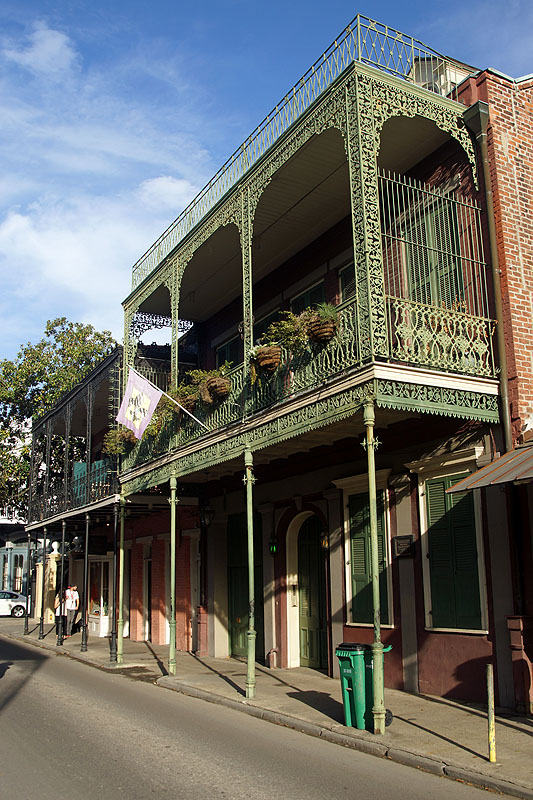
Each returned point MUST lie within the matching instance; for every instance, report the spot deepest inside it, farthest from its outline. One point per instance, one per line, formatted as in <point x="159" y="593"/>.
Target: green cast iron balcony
<point x="365" y="41"/>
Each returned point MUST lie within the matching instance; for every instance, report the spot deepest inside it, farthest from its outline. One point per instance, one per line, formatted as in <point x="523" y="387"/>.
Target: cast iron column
<point x="28" y="578"/>
<point x="120" y="639"/>
<point x="113" y="639"/>
<point x="172" y="624"/>
<point x="41" y="623"/>
<point x="60" y="630"/>
<point x="378" y="709"/>
<point x="84" y="620"/>
<point x="249" y="481"/>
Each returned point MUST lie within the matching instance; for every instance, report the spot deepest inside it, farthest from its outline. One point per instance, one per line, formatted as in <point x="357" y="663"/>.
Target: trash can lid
<point x="353" y="646"/>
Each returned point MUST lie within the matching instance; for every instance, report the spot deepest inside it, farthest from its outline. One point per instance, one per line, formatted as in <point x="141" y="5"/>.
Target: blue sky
<point x="113" y="115"/>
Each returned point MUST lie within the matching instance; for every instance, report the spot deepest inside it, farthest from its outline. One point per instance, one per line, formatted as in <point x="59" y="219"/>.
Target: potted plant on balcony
<point x="211" y="385"/>
<point x="264" y="358"/>
<point x="289" y="333"/>
<point x="322" y="322"/>
<point x="119" y="441"/>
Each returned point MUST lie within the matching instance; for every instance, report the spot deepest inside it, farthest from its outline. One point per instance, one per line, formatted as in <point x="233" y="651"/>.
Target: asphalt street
<point x="70" y="730"/>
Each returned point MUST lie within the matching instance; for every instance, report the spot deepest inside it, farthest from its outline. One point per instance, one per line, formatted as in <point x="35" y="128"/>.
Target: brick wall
<point x="510" y="144"/>
<point x="147" y="529"/>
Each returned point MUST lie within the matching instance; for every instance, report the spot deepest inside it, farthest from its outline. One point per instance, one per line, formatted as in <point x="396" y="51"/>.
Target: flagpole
<point x="169" y="397"/>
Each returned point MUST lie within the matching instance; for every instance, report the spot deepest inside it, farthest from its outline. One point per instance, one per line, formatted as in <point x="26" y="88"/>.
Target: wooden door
<point x="312" y="596"/>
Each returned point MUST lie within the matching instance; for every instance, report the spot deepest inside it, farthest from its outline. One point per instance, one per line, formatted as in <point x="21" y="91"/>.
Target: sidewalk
<point x="431" y="733"/>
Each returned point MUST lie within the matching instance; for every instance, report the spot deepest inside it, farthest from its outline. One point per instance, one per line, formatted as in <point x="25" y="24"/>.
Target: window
<point x="360" y="558"/>
<point x="433" y="260"/>
<point x="358" y="548"/>
<point x="229" y="351"/>
<point x="347" y="282"/>
<point x="316" y="294"/>
<point x="452" y="550"/>
<point x="19" y="564"/>
<point x="261" y="326"/>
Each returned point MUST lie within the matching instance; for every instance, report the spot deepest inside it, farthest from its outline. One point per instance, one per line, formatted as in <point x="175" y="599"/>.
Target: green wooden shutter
<point x="452" y="550"/>
<point x="360" y="556"/>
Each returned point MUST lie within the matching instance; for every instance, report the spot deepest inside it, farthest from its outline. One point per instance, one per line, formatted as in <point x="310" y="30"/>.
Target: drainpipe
<point x="120" y="636"/>
<point x="249" y="481"/>
<point x="172" y="624"/>
<point x="378" y="709"/>
<point x="477" y="119"/>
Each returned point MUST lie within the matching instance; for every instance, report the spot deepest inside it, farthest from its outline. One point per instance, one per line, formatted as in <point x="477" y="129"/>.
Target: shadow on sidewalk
<point x="158" y="661"/>
<point x="321" y="702"/>
<point x="440" y="736"/>
<point x="507" y="719"/>
<point x="225" y="678"/>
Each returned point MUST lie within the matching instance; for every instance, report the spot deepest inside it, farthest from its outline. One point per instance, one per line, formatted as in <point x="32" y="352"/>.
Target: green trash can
<point x="356" y="665"/>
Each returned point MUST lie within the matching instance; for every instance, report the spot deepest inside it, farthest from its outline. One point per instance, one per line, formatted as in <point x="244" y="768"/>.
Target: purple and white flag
<point x="139" y="402"/>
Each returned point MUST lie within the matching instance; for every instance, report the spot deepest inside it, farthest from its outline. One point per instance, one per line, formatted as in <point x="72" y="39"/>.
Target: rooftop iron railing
<point x="363" y="40"/>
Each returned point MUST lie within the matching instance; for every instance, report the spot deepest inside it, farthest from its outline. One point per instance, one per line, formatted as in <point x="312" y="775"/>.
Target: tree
<point x="32" y="383"/>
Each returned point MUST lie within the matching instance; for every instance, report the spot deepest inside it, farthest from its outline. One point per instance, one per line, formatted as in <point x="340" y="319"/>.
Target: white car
<point x="12" y="603"/>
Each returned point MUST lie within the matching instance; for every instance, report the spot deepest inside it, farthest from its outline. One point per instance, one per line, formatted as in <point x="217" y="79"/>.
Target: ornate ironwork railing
<point x="103" y="483"/>
<point x="363" y="40"/>
<point x="441" y="339"/>
<point x="317" y="364"/>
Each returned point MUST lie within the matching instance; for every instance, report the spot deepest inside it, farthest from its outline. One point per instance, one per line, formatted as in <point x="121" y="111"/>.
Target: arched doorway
<point x="312" y="602"/>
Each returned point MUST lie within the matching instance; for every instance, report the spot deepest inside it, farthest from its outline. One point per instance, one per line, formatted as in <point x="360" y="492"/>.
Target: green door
<point x="238" y="585"/>
<point x="312" y="596"/>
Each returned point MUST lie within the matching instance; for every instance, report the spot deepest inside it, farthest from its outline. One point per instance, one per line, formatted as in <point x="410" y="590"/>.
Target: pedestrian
<point x="72" y="603"/>
<point x="61" y="613"/>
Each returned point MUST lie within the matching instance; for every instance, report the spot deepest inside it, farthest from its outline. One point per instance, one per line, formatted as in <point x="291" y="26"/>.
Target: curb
<point x="408" y="758"/>
<point x="338" y="737"/>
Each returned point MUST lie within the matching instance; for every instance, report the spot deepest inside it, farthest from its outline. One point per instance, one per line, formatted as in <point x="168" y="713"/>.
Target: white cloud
<point x="48" y="52"/>
<point x="78" y="253"/>
<point x="167" y="192"/>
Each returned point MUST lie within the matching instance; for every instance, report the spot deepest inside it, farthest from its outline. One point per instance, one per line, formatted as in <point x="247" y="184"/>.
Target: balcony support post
<point x="113" y="637"/>
<point x="62" y="605"/>
<point x="370" y="322"/>
<point x="84" y="609"/>
<point x="27" y="589"/>
<point x="120" y="637"/>
<point x="249" y="481"/>
<point x="66" y="460"/>
<point x="89" y="402"/>
<point x="43" y="585"/>
<point x="172" y="624"/>
<point x="246" y="232"/>
<point x="378" y="709"/>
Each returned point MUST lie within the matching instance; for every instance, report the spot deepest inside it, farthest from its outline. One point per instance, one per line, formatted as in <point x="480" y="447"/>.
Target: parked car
<point x="12" y="603"/>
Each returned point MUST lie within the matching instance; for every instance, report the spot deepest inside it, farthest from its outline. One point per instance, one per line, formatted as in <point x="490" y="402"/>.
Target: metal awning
<point x="513" y="467"/>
